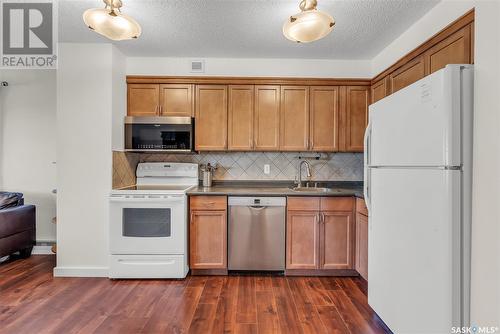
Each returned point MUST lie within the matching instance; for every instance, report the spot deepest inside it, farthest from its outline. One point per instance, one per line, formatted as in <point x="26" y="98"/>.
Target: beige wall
<point x="486" y="183"/>
<point x="315" y="68"/>
<point x="85" y="98"/>
<point x="28" y="142"/>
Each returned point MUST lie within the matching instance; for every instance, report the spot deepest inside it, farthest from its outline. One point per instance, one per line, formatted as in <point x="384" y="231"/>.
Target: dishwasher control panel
<point x="256" y="201"/>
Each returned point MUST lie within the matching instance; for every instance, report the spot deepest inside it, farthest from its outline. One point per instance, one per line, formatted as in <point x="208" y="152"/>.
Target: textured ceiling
<point x="248" y="28"/>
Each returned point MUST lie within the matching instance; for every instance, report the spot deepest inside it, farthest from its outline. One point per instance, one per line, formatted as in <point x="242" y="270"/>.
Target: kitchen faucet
<point x="308" y="171"/>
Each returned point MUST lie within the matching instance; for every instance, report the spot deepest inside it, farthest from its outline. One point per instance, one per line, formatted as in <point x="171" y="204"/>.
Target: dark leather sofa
<point x="17" y="225"/>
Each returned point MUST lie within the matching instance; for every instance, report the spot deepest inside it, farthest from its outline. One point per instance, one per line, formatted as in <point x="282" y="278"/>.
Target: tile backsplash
<point x="250" y="165"/>
<point x="124" y="165"/>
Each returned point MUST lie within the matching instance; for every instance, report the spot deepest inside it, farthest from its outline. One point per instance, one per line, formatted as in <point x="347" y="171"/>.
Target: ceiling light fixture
<point x="309" y="25"/>
<point x="111" y="22"/>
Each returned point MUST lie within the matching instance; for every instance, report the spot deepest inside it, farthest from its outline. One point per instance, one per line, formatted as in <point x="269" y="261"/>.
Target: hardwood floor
<point x="32" y="301"/>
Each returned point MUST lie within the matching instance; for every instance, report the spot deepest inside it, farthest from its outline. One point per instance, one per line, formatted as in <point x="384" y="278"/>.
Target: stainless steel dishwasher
<point x="256" y="233"/>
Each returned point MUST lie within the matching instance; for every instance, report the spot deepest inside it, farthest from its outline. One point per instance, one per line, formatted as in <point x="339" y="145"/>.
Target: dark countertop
<point x="277" y="188"/>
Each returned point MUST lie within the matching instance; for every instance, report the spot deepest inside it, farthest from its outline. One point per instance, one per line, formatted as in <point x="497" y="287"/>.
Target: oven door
<point x="147" y="224"/>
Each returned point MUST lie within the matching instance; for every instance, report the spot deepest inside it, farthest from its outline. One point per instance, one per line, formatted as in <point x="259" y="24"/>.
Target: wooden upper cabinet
<point x="354" y="118"/>
<point x="456" y="49"/>
<point x="337" y="240"/>
<point x="240" y="118"/>
<point x="294" y="118"/>
<point x="324" y="118"/>
<point x="380" y="89"/>
<point x="302" y="241"/>
<point x="211" y="118"/>
<point x="176" y="100"/>
<point x="407" y="74"/>
<point x="267" y="118"/>
<point x="143" y="100"/>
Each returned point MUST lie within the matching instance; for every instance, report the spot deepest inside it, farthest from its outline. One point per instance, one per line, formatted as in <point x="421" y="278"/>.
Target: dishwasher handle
<point x="257" y="207"/>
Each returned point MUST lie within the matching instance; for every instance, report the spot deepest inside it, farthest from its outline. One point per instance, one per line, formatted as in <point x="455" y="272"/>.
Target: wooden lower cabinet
<point x="362" y="245"/>
<point x="302" y="240"/>
<point x="208" y="235"/>
<point x="320" y="240"/>
<point x="337" y="240"/>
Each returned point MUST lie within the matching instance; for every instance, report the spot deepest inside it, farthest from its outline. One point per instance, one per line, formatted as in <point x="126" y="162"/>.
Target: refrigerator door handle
<point x="366" y="153"/>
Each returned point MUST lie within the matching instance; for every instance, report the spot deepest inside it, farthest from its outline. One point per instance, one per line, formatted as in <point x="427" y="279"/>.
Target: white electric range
<point x="148" y="222"/>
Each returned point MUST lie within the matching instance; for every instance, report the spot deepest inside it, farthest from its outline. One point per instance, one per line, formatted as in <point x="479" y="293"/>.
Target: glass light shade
<point x="112" y="24"/>
<point x="308" y="26"/>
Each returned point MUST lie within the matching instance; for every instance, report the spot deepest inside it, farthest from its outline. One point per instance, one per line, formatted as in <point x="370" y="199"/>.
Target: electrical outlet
<point x="267" y="169"/>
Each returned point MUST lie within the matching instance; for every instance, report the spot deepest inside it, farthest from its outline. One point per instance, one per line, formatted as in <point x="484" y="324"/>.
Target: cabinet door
<point x="267" y="118"/>
<point x="337" y="240"/>
<point x="302" y="240"/>
<point x="211" y="118"/>
<point x="407" y="74"/>
<point x="176" y="100"/>
<point x="362" y="245"/>
<point x="294" y="118"/>
<point x="380" y="89"/>
<point x="143" y="100"/>
<point x="208" y="240"/>
<point x="354" y="118"/>
<point x="455" y="49"/>
<point x="324" y="113"/>
<point x="240" y="118"/>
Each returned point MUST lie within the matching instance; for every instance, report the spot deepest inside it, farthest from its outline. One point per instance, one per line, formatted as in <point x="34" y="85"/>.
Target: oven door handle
<point x="147" y="199"/>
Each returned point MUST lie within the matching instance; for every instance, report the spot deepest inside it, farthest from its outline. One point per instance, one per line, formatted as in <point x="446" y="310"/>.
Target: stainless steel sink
<point x="314" y="190"/>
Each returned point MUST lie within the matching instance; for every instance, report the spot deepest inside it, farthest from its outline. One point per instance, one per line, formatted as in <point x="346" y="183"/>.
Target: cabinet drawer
<point x="337" y="203"/>
<point x="361" y="206"/>
<point x="303" y="203"/>
<point x="148" y="266"/>
<point x="208" y="202"/>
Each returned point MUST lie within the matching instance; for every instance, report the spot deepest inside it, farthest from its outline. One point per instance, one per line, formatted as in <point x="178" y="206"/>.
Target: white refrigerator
<point x="418" y="161"/>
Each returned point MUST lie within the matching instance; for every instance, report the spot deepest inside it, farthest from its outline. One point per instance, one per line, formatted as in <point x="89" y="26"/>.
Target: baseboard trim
<point x="42" y="250"/>
<point x="321" y="272"/>
<point x="204" y="272"/>
<point x="81" y="272"/>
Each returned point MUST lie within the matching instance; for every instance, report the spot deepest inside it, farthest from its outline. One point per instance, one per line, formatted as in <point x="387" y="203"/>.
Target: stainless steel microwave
<point x="159" y="134"/>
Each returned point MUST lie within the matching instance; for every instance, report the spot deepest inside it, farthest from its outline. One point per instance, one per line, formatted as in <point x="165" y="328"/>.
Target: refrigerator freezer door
<point x="415" y="250"/>
<point x="420" y="125"/>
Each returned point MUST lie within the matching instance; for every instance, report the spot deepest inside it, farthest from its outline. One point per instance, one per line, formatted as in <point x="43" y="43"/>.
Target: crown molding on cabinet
<point x="222" y="80"/>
